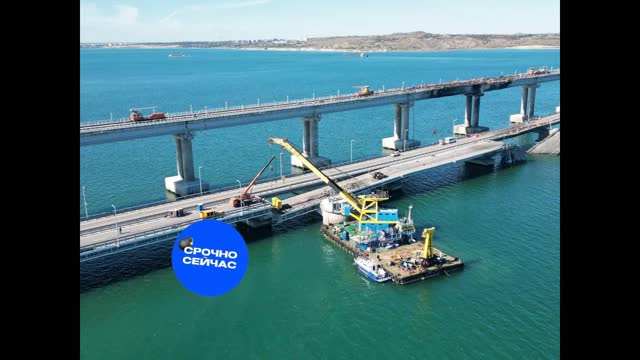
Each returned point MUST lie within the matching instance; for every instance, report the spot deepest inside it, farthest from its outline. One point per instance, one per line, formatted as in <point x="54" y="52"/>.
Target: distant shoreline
<point x="417" y="41"/>
<point x="173" y="47"/>
<point x="524" y="47"/>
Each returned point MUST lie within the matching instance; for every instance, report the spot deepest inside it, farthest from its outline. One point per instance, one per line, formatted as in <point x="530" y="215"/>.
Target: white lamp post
<point x="200" y="178"/>
<point x="281" y="163"/>
<point x="454" y="136"/>
<point x="241" y="202"/>
<point x="352" y="150"/>
<point x="115" y="215"/>
<point x="86" y="213"/>
<point x="406" y="134"/>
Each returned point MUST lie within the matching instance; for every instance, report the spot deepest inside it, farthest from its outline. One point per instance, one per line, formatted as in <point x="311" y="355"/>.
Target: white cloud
<point x="164" y="19"/>
<point x="122" y="15"/>
<point x="125" y="23"/>
<point x="241" y="4"/>
<point x="96" y="23"/>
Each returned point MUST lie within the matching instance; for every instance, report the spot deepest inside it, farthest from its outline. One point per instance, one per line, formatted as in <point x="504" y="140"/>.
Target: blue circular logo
<point x="210" y="257"/>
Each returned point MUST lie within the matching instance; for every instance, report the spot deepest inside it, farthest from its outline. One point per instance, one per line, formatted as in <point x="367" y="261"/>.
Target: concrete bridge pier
<point x="397" y="123"/>
<point x="471" y="116"/>
<point x="185" y="182"/>
<point x="310" y="143"/>
<point x="532" y="100"/>
<point x="400" y="139"/>
<point x="527" y="104"/>
<point x="467" y="110"/>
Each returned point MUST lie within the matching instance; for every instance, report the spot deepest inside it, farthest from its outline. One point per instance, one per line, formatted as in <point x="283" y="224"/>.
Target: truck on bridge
<point x="541" y="71"/>
<point x="136" y="115"/>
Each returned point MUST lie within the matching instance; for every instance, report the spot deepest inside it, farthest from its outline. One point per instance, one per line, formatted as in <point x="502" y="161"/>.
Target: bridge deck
<point x="411" y="163"/>
<point x="104" y="132"/>
<point x="145" y="221"/>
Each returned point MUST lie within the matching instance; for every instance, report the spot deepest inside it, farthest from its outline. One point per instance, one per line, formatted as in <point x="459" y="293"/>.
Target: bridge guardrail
<point x="308" y="205"/>
<point x="345" y="97"/>
<point x="246" y="213"/>
<point x="530" y="123"/>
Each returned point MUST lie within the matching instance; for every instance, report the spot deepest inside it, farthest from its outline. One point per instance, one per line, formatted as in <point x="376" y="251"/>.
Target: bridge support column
<point x="467" y="110"/>
<point x="310" y="144"/>
<point x="313" y="136"/>
<point x="306" y="128"/>
<point x="187" y="157"/>
<point x="523" y="101"/>
<point x="471" y="116"/>
<point x="179" y="155"/>
<point x="528" y="98"/>
<point x="532" y="101"/>
<point x="185" y="182"/>
<point x="475" y="116"/>
<point x="397" y="124"/>
<point x="400" y="139"/>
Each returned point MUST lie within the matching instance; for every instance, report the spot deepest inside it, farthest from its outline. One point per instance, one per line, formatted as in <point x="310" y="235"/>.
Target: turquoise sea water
<point x="302" y="297"/>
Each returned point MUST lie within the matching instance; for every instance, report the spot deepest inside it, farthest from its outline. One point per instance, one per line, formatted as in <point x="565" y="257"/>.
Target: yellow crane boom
<point x="366" y="207"/>
<point x="345" y="195"/>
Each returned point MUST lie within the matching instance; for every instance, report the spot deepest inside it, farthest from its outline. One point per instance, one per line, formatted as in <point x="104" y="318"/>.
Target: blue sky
<point x="164" y="20"/>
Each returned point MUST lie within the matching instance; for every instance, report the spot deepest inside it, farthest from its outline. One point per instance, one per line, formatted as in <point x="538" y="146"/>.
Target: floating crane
<point x="246" y="196"/>
<point x="364" y="208"/>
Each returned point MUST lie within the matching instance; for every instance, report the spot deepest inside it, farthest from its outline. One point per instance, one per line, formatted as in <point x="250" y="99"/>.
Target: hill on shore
<point x="421" y="41"/>
<point x="413" y="41"/>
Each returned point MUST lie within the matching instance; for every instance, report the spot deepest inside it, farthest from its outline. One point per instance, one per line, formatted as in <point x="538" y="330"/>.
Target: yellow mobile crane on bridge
<point x="364" y="208"/>
<point x="364" y="90"/>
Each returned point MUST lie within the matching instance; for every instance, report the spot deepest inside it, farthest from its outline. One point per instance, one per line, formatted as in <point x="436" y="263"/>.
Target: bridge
<point x="146" y="226"/>
<point x="183" y="125"/>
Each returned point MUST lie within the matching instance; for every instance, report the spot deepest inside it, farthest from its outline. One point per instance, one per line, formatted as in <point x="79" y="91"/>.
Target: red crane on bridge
<point x="246" y="196"/>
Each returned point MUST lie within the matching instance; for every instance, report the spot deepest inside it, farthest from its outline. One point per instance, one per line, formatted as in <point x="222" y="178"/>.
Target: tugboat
<point x="373" y="270"/>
